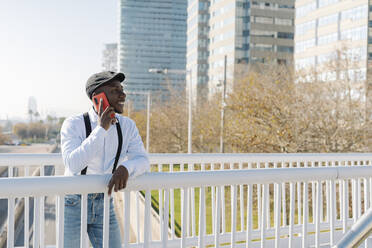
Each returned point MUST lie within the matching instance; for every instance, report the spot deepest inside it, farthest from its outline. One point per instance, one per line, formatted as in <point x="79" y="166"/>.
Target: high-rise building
<point x="197" y="47"/>
<point x="328" y="30"/>
<point x="152" y="36"/>
<point x="110" y="57"/>
<point x="242" y="30"/>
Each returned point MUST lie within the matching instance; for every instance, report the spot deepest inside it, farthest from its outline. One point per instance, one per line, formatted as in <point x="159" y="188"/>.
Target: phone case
<point x="97" y="98"/>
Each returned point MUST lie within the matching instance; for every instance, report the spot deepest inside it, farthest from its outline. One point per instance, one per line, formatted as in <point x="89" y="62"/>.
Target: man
<point x="98" y="153"/>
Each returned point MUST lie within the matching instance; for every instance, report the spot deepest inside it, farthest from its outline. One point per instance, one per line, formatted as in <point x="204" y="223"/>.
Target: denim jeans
<point x="94" y="222"/>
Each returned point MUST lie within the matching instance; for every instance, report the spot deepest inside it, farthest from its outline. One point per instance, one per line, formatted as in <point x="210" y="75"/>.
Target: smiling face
<point x="114" y="92"/>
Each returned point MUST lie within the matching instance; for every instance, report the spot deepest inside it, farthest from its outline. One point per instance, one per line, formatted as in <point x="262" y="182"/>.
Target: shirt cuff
<point x="129" y="168"/>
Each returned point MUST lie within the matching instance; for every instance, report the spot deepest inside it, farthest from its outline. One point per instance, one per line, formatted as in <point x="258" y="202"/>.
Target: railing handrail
<point x="358" y="232"/>
<point x="56" y="185"/>
<point x="24" y="159"/>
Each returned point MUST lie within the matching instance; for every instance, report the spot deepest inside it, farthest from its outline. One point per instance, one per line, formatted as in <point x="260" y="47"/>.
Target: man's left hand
<point x="119" y="179"/>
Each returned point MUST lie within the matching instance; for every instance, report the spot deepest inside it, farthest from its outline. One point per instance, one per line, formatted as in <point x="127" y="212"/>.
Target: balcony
<point x="201" y="200"/>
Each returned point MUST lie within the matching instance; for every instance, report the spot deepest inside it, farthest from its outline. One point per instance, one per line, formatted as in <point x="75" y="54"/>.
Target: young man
<point x="97" y="153"/>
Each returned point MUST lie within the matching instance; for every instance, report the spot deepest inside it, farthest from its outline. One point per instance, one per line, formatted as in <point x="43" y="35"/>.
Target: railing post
<point x="10" y="231"/>
<point x="60" y="221"/>
<point x="27" y="216"/>
<point x="126" y="217"/>
<point x="249" y="215"/>
<point x="218" y="218"/>
<point x="166" y="218"/>
<point x="184" y="195"/>
<point x="147" y="226"/>
<point x="277" y="211"/>
<point x="305" y="215"/>
<point x="83" y="226"/>
<point x="106" y="220"/>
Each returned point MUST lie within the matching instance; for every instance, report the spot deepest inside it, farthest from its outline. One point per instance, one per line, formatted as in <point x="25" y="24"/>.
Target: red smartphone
<point x="97" y="98"/>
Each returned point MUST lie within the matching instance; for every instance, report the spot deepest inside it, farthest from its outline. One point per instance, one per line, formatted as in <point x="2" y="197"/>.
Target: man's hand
<point x="119" y="179"/>
<point x="104" y="117"/>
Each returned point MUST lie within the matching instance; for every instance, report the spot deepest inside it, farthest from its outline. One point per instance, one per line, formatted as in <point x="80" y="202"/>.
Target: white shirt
<point x="98" y="151"/>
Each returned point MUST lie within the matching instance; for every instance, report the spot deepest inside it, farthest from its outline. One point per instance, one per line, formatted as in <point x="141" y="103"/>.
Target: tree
<point x="259" y="114"/>
<point x="3" y="137"/>
<point x="21" y="130"/>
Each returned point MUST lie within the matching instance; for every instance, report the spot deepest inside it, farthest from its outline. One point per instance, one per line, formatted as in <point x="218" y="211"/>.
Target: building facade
<point x="197" y="47"/>
<point x="110" y="57"/>
<point x="333" y="30"/>
<point x="245" y="32"/>
<point x="152" y="35"/>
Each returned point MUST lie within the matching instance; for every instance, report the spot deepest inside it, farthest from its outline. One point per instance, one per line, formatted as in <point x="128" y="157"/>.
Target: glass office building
<point x="327" y="28"/>
<point x="244" y="31"/>
<point x="152" y="35"/>
<point x="197" y="47"/>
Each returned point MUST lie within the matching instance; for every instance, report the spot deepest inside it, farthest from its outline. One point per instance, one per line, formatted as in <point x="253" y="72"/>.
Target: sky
<point x="48" y="49"/>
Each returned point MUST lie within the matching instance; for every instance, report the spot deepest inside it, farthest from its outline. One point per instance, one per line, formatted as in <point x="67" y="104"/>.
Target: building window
<point x="283" y="6"/>
<point x="262" y="47"/>
<point x="284" y="35"/>
<point x="323" y="21"/>
<point x="323" y="3"/>
<point x="245" y="32"/>
<point x="283" y="21"/>
<point x="326" y="39"/>
<point x="265" y="20"/>
<point x="285" y="49"/>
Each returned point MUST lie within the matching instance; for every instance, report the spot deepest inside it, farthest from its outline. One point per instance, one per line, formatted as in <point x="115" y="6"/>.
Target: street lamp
<point x="188" y="72"/>
<point x="148" y="94"/>
<point x="223" y="84"/>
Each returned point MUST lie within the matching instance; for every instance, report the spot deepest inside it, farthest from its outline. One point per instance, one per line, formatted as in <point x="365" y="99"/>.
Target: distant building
<point x="32" y="108"/>
<point x="327" y="27"/>
<point x="197" y="47"/>
<point x="244" y="31"/>
<point x="110" y="57"/>
<point x="152" y="36"/>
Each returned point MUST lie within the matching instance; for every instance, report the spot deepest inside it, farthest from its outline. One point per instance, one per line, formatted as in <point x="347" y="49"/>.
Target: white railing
<point x="285" y="204"/>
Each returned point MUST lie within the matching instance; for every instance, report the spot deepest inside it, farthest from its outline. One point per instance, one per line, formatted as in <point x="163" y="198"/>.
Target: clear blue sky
<point x="48" y="49"/>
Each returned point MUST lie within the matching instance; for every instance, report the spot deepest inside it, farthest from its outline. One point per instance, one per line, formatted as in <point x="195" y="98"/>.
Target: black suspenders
<point x="88" y="130"/>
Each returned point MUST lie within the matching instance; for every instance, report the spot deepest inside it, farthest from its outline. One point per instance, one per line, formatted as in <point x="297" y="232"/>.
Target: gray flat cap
<point x="99" y="79"/>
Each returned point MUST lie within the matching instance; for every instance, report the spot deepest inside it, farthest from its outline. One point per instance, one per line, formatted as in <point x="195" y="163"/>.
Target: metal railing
<point x="358" y="233"/>
<point x="259" y="200"/>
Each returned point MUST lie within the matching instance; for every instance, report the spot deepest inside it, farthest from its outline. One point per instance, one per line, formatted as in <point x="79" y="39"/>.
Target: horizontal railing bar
<point x="39" y="186"/>
<point x="240" y="235"/>
<point x="27" y="159"/>
<point x="255" y="157"/>
<point x="176" y="158"/>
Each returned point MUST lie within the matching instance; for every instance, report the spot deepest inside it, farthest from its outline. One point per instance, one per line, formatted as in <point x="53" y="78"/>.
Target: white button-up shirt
<point x="98" y="151"/>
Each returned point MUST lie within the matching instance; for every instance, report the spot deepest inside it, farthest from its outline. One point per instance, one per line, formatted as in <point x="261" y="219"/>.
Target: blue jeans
<point x="94" y="222"/>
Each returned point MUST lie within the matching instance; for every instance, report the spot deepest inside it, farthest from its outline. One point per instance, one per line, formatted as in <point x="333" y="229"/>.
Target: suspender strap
<point x="120" y="137"/>
<point x="88" y="130"/>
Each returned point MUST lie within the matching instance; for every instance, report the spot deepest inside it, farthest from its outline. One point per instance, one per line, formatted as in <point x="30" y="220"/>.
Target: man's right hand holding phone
<point x="104" y="116"/>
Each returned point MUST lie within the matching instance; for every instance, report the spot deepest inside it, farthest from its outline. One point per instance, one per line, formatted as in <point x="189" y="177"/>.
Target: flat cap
<point x="99" y="79"/>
